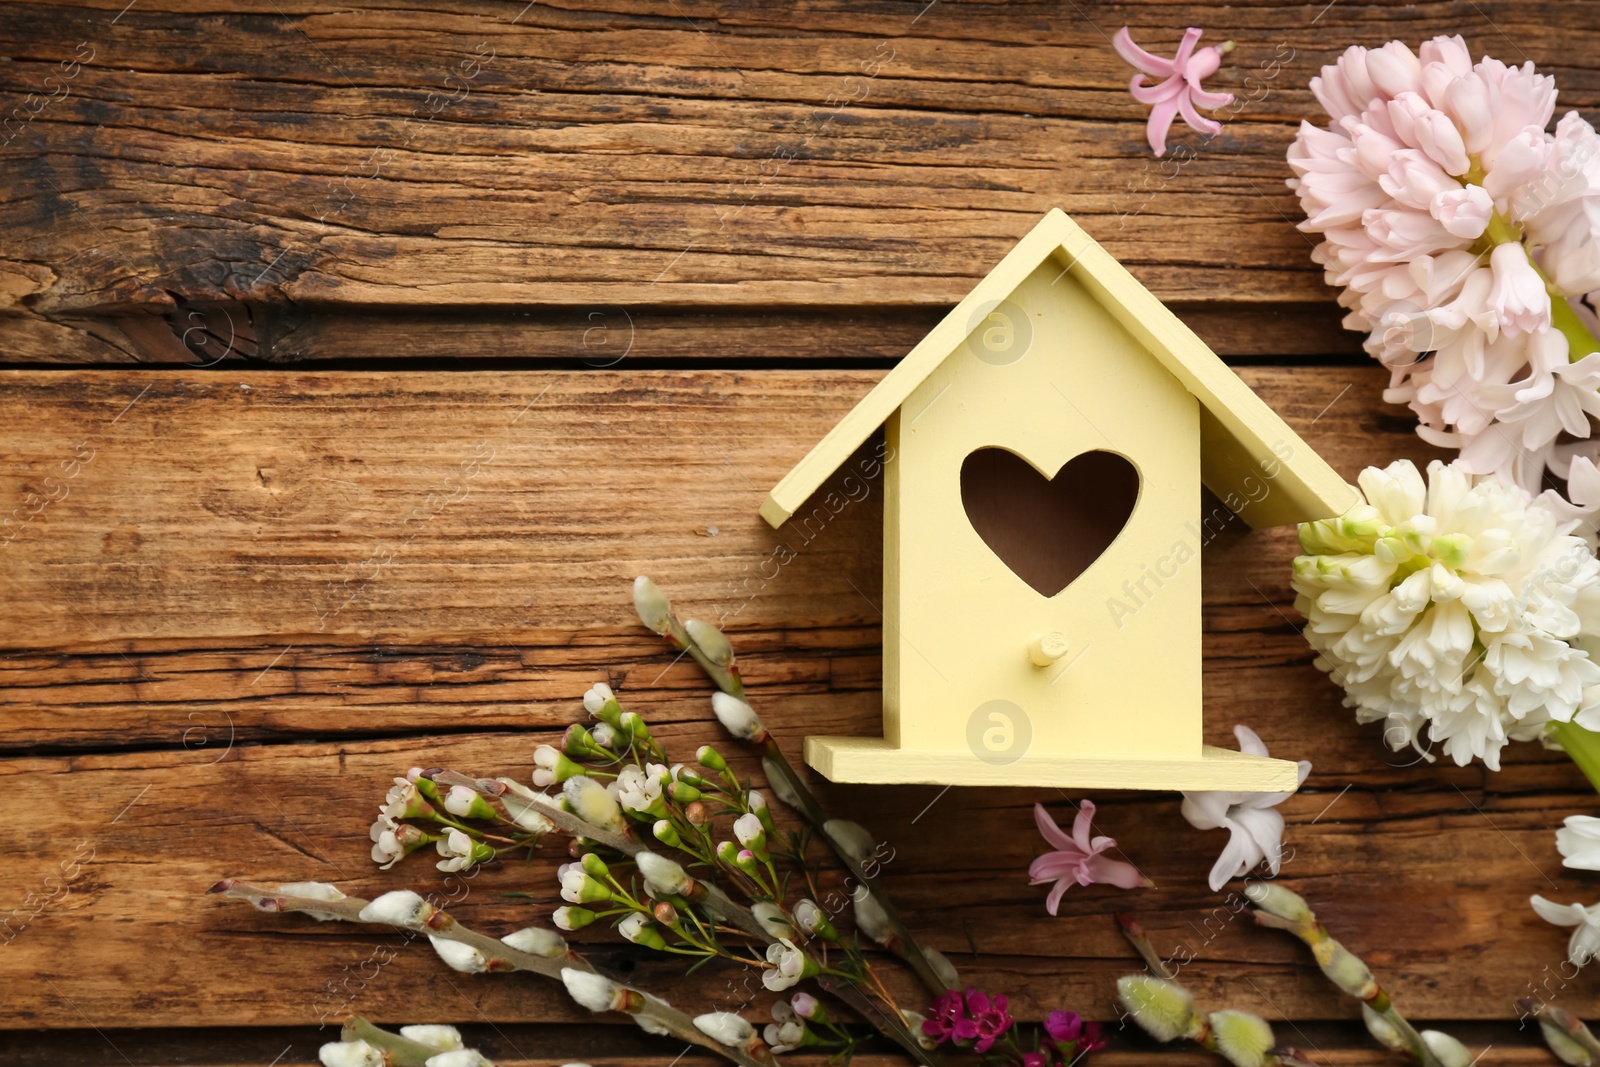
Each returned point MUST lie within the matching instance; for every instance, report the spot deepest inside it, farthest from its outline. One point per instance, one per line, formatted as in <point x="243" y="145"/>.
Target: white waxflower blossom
<point x="464" y="1057"/>
<point x="1254" y="826"/>
<point x="639" y="789"/>
<point x="1461" y="605"/>
<point x="737" y="717"/>
<point x="1585" y="921"/>
<point x="597" y="697"/>
<point x="464" y="802"/>
<point x="435" y="1035"/>
<point x="537" y="941"/>
<point x="459" y="957"/>
<point x="1578" y="840"/>
<point x="725" y="1028"/>
<point x="456" y="848"/>
<point x="786" y="1030"/>
<point x="351" y="1054"/>
<point x="788" y="966"/>
<point x="387" y="849"/>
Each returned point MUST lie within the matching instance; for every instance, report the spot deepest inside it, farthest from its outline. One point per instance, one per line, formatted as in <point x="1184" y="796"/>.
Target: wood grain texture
<point x="617" y="154"/>
<point x="192" y="721"/>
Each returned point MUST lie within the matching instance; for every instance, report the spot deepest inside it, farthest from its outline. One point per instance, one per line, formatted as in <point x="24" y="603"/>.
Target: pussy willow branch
<point x="889" y="1023"/>
<point x="727" y="679"/>
<point x="500" y="956"/>
<point x="1207" y="1038"/>
<point x="1330" y="956"/>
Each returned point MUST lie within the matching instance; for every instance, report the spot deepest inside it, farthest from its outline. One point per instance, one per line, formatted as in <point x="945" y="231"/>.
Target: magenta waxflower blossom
<point x="1077" y="859"/>
<point x="974" y="1019"/>
<point x="1180" y="90"/>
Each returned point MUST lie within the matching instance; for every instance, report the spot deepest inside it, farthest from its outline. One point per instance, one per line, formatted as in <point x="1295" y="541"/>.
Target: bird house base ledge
<point x="872" y="760"/>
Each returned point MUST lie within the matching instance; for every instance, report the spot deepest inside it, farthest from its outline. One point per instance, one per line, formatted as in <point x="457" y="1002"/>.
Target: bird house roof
<point x="1238" y="430"/>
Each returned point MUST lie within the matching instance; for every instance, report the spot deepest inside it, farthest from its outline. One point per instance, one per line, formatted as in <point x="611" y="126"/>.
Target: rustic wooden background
<point x="269" y="273"/>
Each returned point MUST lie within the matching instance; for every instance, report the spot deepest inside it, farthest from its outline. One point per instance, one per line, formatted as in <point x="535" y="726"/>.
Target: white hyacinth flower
<point x="459" y="957"/>
<point x="725" y="1028"/>
<point x="1255" y="828"/>
<point x="1462" y="605"/>
<point x="435" y="1035"/>
<point x="1578" y="841"/>
<point x="1585" y="921"/>
<point x="736" y="717"/>
<point x="351" y="1054"/>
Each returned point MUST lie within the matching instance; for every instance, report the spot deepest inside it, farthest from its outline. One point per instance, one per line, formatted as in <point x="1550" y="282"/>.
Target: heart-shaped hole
<point x="1048" y="530"/>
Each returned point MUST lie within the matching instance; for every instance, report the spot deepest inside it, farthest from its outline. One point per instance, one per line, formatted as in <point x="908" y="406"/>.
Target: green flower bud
<point x="683" y="792"/>
<point x="711" y="758"/>
<point x="569" y="918"/>
<point x="666" y="834"/>
<point x="595" y="866"/>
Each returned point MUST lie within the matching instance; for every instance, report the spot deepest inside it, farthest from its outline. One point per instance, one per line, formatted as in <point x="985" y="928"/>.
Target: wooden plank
<point x="267" y="555"/>
<point x="184" y="574"/>
<point x="511" y="1045"/>
<point x="237" y="334"/>
<point x="822" y="154"/>
<point x="131" y="941"/>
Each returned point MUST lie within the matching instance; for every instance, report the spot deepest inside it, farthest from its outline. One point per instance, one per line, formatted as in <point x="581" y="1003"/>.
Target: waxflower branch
<point x="716" y="902"/>
<point x="535" y="950"/>
<point x="710" y="648"/>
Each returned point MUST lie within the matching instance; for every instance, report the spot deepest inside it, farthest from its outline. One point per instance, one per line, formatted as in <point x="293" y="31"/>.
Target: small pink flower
<point x="1035" y="1059"/>
<point x="1180" y="90"/>
<point x="989" y="1018"/>
<point x="1063" y="1025"/>
<point x="1077" y="858"/>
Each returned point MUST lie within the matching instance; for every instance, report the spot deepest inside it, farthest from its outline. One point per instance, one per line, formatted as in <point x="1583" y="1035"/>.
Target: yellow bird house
<point x="1044" y="451"/>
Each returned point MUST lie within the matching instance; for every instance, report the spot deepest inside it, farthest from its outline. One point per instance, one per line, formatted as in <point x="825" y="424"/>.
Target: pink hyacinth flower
<point x="1180" y="89"/>
<point x="1078" y="859"/>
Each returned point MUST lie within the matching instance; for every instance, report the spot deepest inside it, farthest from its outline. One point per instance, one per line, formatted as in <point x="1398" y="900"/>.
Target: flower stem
<point x="1582" y="746"/>
<point x="501" y="957"/>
